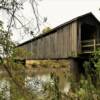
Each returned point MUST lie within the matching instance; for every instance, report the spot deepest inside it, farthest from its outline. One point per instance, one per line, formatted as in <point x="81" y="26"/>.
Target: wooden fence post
<point x="94" y="45"/>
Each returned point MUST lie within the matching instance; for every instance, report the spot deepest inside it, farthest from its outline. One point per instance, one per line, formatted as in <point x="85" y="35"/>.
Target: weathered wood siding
<point x="60" y="44"/>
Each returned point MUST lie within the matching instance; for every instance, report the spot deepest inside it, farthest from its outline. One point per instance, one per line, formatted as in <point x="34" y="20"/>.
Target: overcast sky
<point x="59" y="11"/>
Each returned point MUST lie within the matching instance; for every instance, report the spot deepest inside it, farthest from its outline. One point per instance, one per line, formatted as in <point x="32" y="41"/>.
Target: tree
<point x="14" y="9"/>
<point x="88" y="88"/>
<point x="6" y="44"/>
<point x="46" y="29"/>
<point x="13" y="72"/>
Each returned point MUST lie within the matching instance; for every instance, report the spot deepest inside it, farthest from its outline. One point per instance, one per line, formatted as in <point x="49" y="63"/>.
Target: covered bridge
<point x="80" y="35"/>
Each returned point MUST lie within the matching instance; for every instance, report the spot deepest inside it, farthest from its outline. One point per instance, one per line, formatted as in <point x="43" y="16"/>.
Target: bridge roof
<point x="58" y="27"/>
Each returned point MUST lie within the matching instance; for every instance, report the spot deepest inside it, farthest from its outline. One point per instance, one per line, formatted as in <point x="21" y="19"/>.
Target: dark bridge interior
<point x="88" y="32"/>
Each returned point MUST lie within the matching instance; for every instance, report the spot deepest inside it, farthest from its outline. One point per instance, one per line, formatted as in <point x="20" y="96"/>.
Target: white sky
<point x="59" y="11"/>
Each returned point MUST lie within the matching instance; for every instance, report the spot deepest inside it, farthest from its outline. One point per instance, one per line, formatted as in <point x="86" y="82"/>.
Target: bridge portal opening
<point x="88" y="38"/>
<point x="88" y="32"/>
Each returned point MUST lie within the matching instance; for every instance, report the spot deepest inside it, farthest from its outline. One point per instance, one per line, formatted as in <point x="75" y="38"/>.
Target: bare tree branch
<point x="12" y="9"/>
<point x="34" y="11"/>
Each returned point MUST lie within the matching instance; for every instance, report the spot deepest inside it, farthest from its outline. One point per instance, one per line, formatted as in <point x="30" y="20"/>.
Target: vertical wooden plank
<point x="68" y="40"/>
<point x="63" y="42"/>
<point x="68" y="32"/>
<point x="59" y="44"/>
<point x="79" y="38"/>
<point x="61" y="34"/>
<point x="53" y="46"/>
<point x="55" y="43"/>
<point x="69" y="51"/>
<point x="74" y="39"/>
<point x="76" y="32"/>
<point x="65" y="36"/>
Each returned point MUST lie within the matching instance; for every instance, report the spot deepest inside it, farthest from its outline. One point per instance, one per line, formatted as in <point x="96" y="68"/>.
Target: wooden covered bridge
<point x="70" y="42"/>
<point x="78" y="36"/>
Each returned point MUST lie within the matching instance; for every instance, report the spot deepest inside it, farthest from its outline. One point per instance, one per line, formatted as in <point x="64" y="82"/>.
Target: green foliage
<point x="84" y="91"/>
<point x="14" y="72"/>
<point x="47" y="29"/>
<point x="53" y="63"/>
<point x="6" y="45"/>
<point x="20" y="53"/>
<point x="56" y="86"/>
<point x="51" y="91"/>
<point x="88" y="87"/>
